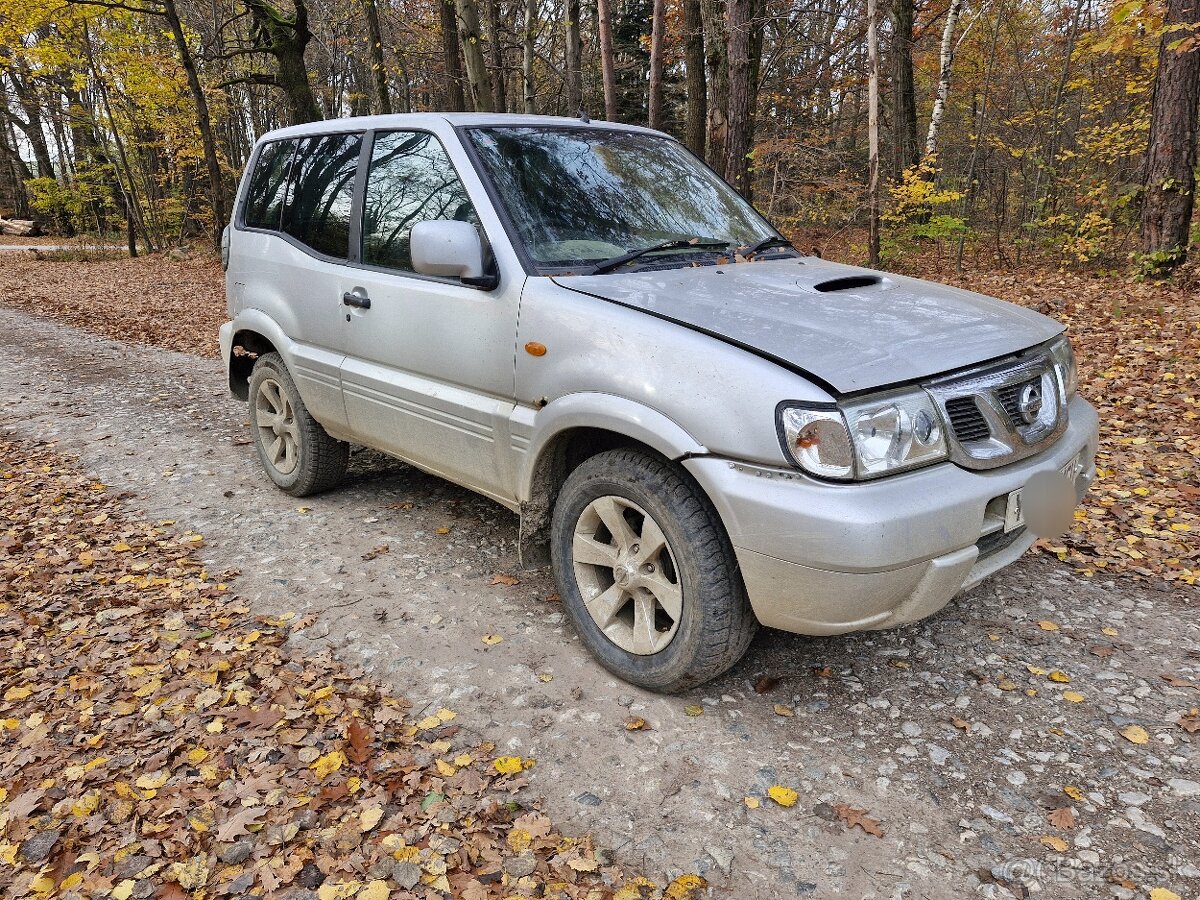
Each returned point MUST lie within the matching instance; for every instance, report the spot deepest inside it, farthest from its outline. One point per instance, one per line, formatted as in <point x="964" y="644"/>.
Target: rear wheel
<point x="297" y="453"/>
<point x="647" y="573"/>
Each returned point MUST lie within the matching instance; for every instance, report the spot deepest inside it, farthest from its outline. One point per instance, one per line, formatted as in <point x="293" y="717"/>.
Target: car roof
<point x="433" y="119"/>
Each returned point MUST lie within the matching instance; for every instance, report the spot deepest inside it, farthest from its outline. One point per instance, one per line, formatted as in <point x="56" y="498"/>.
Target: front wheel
<point x="297" y="453"/>
<point x="647" y="573"/>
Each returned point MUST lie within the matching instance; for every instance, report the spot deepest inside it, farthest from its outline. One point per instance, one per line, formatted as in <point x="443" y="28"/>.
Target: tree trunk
<point x="943" y="89"/>
<point x="286" y="38"/>
<point x="907" y="146"/>
<point x="574" y="59"/>
<point x="477" y="73"/>
<point x="32" y="126"/>
<point x="873" y="133"/>
<point x="693" y="54"/>
<point x="737" y="165"/>
<point x="1170" y="184"/>
<point x="716" y="47"/>
<point x="658" y="33"/>
<point x="452" y="59"/>
<point x="496" y="52"/>
<point x="528" y="54"/>
<point x="607" y="60"/>
<point x="216" y="183"/>
<point x="383" y="100"/>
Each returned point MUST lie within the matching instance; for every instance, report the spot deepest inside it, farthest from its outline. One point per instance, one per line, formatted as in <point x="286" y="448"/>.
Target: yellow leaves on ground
<point x="511" y="765"/>
<point x="1135" y="734"/>
<point x="375" y="890"/>
<point x="17" y="693"/>
<point x="1073" y="696"/>
<point x="1056" y="844"/>
<point x="369" y="818"/>
<point x="153" y="780"/>
<point x="752" y="802"/>
<point x="784" y="796"/>
<point x="1047" y="625"/>
<point x="492" y="639"/>
<point x="693" y="710"/>
<point x="1060" y="677"/>
<point x="1074" y="793"/>
<point x="326" y="765"/>
<point x="1160" y="893"/>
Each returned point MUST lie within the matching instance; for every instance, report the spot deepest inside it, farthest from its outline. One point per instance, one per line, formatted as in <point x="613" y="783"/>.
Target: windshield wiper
<point x="607" y="265"/>
<point x="765" y="244"/>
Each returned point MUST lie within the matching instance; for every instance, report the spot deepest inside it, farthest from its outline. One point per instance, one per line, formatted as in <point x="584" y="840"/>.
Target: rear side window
<point x="264" y="197"/>
<point x="321" y="193"/>
<point x="411" y="180"/>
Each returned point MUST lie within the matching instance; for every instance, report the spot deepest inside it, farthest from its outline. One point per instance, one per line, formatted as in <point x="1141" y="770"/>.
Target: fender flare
<point x="609" y="412"/>
<point x="257" y="321"/>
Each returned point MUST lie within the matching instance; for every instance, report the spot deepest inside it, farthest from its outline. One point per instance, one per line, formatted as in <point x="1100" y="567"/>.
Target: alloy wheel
<point x="627" y="575"/>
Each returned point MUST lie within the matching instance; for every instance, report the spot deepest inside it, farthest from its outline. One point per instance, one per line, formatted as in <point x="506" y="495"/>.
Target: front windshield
<point x="578" y="196"/>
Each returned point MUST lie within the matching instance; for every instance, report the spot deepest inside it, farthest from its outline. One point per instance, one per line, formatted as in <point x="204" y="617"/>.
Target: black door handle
<point x="351" y="298"/>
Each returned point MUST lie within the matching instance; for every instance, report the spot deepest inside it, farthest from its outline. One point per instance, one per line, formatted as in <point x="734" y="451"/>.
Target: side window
<point x="264" y="197"/>
<point x="321" y="191"/>
<point x="411" y="180"/>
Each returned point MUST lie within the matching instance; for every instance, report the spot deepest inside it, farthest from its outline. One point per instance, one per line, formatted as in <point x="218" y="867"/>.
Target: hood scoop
<point x="847" y="283"/>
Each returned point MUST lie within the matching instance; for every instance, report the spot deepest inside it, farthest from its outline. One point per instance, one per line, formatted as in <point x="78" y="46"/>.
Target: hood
<point x="854" y="329"/>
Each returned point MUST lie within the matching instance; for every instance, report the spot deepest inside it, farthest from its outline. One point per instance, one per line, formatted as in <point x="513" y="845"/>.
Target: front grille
<point x="1010" y="398"/>
<point x="983" y="416"/>
<point x="966" y="419"/>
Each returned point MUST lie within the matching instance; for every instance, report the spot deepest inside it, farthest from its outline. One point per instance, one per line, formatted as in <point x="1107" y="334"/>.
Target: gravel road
<point x="959" y="735"/>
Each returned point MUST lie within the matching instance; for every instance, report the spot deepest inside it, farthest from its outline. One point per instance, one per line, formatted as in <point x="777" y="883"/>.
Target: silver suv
<point x="707" y="429"/>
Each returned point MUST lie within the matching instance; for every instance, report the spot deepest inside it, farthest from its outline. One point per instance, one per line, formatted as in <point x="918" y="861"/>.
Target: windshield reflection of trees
<point x="623" y="189"/>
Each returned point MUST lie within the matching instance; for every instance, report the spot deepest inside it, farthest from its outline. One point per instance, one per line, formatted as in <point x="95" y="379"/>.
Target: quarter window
<point x="321" y="193"/>
<point x="411" y="180"/>
<point x="264" y="197"/>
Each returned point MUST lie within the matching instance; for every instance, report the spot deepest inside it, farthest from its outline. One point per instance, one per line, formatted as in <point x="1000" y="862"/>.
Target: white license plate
<point x="1014" y="512"/>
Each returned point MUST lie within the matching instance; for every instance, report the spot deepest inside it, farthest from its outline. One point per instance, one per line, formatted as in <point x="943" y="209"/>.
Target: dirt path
<point x="932" y="729"/>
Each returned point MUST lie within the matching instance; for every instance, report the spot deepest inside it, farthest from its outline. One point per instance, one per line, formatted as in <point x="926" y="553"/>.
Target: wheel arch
<point x="573" y="429"/>
<point x="254" y="335"/>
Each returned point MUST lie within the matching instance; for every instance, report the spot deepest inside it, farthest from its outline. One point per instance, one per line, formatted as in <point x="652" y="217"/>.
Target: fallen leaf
<point x="369" y="818"/>
<point x="1054" y="843"/>
<point x="786" y="711"/>
<point x="1047" y="625"/>
<point x="634" y="723"/>
<point x="1135" y="734"/>
<point x="852" y="817"/>
<point x="238" y="823"/>
<point x="752" y="802"/>
<point x="492" y="639"/>
<point x="784" y="796"/>
<point x="764" y="684"/>
<point x="1073" y="696"/>
<point x="693" y="710"/>
<point x="1074" y="793"/>
<point x="508" y="580"/>
<point x="1063" y="817"/>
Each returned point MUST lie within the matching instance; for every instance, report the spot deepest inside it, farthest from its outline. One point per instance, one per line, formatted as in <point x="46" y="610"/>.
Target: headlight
<point x="864" y="438"/>
<point x="1065" y="366"/>
<point x="816" y="439"/>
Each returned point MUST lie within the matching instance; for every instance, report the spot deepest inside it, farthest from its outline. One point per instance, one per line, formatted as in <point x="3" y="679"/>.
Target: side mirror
<point x="448" y="247"/>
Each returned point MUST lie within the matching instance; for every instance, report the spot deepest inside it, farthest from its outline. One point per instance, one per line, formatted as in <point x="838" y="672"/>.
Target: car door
<point x="300" y="203"/>
<point x="428" y="374"/>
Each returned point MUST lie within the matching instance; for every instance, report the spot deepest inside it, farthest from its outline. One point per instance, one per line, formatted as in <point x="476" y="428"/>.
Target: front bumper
<point x="821" y="558"/>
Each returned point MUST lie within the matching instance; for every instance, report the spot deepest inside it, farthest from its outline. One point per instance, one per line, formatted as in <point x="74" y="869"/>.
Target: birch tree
<point x="946" y="62"/>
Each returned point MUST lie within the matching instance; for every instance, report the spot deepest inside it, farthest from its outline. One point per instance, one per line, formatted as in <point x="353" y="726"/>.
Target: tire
<point x="310" y="461"/>
<point x="695" y="573"/>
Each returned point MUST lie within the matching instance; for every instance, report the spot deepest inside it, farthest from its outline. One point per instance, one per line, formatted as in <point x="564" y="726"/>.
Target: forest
<point x="995" y="130"/>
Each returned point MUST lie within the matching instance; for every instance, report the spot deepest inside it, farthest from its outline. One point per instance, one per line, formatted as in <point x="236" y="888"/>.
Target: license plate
<point x="1014" y="512"/>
